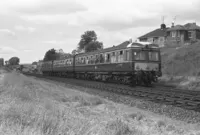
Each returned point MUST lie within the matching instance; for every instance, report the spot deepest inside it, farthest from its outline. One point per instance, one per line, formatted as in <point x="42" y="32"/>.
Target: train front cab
<point x="146" y="65"/>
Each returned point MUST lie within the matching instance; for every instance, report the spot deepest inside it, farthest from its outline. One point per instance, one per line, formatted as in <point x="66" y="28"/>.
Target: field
<point x="31" y="106"/>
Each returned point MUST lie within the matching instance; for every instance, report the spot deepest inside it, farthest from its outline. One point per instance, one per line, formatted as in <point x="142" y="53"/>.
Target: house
<point x="157" y="36"/>
<point x="182" y="34"/>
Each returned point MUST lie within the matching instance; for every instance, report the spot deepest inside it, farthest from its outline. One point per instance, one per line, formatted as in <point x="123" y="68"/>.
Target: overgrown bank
<point x="181" y="65"/>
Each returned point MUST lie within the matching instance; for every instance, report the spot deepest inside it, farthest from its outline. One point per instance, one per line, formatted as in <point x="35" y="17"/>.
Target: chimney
<point x="163" y="26"/>
<point x="172" y="24"/>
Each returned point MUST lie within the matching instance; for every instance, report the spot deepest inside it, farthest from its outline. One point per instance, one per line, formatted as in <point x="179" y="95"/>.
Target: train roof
<point x="124" y="45"/>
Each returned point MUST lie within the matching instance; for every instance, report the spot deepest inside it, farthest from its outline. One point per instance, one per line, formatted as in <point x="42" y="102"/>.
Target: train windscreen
<point x="140" y="55"/>
<point x="146" y="55"/>
<point x="153" y="56"/>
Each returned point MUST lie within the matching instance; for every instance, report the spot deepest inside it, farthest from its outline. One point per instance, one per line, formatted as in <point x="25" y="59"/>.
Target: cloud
<point x="57" y="42"/>
<point x="7" y="50"/>
<point x="27" y="50"/>
<point x="23" y="28"/>
<point x="7" y="31"/>
<point x="116" y="24"/>
<point x="53" y="7"/>
<point x="131" y="14"/>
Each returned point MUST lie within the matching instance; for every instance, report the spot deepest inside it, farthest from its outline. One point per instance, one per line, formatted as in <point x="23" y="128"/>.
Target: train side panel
<point x="106" y="67"/>
<point x="63" y="65"/>
<point x="46" y="67"/>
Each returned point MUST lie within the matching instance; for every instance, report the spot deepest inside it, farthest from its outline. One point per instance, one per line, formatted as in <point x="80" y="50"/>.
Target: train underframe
<point x="137" y="78"/>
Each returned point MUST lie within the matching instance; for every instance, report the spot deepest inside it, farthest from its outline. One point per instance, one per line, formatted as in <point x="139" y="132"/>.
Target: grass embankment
<point x="181" y="66"/>
<point x="35" y="107"/>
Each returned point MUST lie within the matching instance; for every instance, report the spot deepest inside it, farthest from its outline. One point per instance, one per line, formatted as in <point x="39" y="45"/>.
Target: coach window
<point x="113" y="57"/>
<point x="70" y="62"/>
<point x="87" y="60"/>
<point x="120" y="57"/>
<point x="126" y="55"/>
<point x="84" y="60"/>
<point x="117" y="56"/>
<point x="97" y="59"/>
<point x="91" y="59"/>
<point x="101" y="59"/>
<point x="76" y="61"/>
<point x="108" y="57"/>
<point x="79" y="60"/>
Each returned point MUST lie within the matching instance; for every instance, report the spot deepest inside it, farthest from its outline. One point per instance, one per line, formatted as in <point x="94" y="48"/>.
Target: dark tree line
<point x="87" y="43"/>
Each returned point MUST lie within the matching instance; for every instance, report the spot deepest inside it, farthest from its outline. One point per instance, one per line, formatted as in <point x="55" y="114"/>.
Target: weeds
<point x="161" y="123"/>
<point x="136" y="116"/>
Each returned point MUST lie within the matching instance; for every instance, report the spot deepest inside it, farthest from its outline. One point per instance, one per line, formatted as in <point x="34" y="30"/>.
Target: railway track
<point x="185" y="99"/>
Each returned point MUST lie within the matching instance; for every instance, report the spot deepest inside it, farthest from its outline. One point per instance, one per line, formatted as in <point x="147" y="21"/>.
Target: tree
<point x="89" y="42"/>
<point x="34" y="63"/>
<point x="74" y="52"/>
<point x="92" y="46"/>
<point x="6" y="62"/>
<point x="14" y="61"/>
<point x="50" y="55"/>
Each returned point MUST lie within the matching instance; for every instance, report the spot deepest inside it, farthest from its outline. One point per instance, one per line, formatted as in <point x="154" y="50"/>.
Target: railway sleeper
<point x="196" y="99"/>
<point x="160" y="98"/>
<point x="136" y="93"/>
<point x="180" y="101"/>
<point x="152" y="97"/>
<point x="190" y="107"/>
<point x="143" y="95"/>
<point x="193" y="103"/>
<point x="169" y="99"/>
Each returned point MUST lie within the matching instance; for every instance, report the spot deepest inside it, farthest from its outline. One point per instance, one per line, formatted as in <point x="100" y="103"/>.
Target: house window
<point x="189" y="34"/>
<point x="173" y="33"/>
<point x="121" y="53"/>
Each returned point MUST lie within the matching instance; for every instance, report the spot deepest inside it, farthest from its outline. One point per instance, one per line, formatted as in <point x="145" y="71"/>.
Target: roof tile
<point x="156" y="33"/>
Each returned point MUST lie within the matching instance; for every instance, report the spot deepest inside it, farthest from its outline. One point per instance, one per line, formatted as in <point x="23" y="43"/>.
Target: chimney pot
<point x="163" y="26"/>
<point x="172" y="24"/>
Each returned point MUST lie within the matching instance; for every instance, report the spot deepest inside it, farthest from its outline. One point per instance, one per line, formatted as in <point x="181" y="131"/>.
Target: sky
<point x="28" y="28"/>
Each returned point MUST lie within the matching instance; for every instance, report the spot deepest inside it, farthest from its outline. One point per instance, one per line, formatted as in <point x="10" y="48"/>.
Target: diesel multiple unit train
<point x="130" y="63"/>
